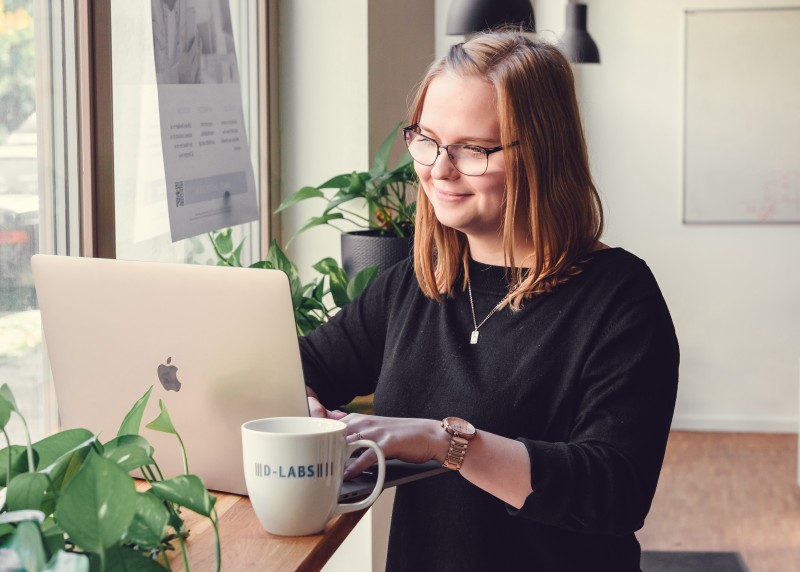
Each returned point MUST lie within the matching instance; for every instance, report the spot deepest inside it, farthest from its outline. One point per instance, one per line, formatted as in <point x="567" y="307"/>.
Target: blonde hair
<point x="548" y="182"/>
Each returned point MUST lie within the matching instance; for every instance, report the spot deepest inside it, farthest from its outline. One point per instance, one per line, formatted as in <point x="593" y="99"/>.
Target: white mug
<point x="293" y="469"/>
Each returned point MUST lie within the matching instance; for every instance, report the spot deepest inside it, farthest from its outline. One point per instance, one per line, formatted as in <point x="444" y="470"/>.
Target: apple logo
<point x="168" y="376"/>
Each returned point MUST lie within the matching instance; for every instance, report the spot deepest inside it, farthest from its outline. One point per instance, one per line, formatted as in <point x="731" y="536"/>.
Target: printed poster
<point x="209" y="177"/>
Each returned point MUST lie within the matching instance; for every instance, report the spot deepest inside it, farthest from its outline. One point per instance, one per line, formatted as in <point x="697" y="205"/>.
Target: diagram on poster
<point x="209" y="176"/>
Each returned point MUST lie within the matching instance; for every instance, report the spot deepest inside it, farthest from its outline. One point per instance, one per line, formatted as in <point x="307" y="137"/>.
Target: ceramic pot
<point x="364" y="248"/>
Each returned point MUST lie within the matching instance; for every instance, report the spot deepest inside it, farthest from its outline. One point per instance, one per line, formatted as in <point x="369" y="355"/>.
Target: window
<point x="47" y="200"/>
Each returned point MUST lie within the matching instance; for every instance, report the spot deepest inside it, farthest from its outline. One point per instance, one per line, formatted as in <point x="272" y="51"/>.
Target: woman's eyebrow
<point x="470" y="139"/>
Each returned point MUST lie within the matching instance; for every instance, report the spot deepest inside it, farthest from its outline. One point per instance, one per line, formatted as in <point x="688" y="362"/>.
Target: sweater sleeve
<point x="342" y="358"/>
<point x="603" y="479"/>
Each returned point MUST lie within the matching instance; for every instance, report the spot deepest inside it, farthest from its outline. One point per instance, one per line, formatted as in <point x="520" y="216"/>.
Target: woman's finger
<point x="364" y="461"/>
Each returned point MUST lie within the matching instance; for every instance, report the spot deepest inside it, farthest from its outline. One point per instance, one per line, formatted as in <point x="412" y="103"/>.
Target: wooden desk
<point x="247" y="546"/>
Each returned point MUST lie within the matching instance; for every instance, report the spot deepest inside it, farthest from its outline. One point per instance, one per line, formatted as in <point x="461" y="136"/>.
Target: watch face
<point x="461" y="425"/>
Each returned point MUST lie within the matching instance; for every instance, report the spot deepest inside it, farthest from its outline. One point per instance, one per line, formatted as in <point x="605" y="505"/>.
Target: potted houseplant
<point x="70" y="504"/>
<point x="385" y="234"/>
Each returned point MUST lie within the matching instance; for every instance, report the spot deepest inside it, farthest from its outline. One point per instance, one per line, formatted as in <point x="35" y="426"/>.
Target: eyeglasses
<point x="470" y="160"/>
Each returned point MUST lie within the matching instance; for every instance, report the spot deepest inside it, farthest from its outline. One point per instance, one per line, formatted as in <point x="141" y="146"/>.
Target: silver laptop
<point x="217" y="345"/>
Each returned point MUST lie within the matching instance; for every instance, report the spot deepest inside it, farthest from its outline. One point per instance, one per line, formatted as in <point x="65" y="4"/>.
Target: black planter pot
<point x="365" y="248"/>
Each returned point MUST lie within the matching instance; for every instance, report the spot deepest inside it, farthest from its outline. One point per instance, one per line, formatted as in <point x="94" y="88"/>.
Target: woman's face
<point x="463" y="110"/>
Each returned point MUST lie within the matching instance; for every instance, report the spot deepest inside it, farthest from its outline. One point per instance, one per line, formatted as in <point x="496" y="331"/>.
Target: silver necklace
<point x="473" y="339"/>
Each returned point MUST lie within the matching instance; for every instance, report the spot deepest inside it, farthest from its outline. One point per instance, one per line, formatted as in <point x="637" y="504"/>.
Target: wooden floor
<point x="729" y="491"/>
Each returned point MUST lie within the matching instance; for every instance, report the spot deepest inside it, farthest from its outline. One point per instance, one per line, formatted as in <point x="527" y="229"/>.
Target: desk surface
<point x="247" y="546"/>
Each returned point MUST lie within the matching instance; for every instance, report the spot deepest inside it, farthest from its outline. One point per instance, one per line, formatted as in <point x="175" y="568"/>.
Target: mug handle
<point x="342" y="508"/>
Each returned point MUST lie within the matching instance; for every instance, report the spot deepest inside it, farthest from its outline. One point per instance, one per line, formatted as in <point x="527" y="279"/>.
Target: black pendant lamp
<point x="576" y="41"/>
<point x="470" y="16"/>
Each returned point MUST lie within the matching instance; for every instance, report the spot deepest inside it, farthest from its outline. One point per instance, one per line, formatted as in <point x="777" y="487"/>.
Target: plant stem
<point x="355" y="214"/>
<point x="215" y="523"/>
<point x="8" y="443"/>
<point x="216" y="250"/>
<point x="183" y="552"/>
<point x="31" y="468"/>
<point x="183" y="454"/>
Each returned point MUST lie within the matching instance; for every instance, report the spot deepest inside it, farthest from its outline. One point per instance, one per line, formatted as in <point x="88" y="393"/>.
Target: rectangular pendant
<point x="473" y="339"/>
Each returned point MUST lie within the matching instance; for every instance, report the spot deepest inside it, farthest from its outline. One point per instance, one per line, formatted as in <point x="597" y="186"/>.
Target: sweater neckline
<point x="490" y="279"/>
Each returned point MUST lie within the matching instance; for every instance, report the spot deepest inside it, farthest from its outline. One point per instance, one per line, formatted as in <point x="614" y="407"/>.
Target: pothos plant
<point x="312" y="305"/>
<point x="70" y="504"/>
<point x="388" y="193"/>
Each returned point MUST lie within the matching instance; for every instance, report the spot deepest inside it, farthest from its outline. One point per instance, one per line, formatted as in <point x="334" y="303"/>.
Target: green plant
<point x="312" y="305"/>
<point x="71" y="504"/>
<point x="387" y="193"/>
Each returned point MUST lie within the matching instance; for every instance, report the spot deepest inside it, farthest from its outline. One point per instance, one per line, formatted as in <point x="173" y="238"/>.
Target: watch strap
<point x="457" y="449"/>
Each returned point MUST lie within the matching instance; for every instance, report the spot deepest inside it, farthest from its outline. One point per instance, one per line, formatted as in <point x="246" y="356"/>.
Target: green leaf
<point x="97" y="505"/>
<point x="5" y="411"/>
<point x="358" y="183"/>
<point x="381" y="161"/>
<point x="133" y="419"/>
<point x="5" y="393"/>
<point x="149" y="522"/>
<point x="337" y="279"/>
<point x="129" y="452"/>
<point x="27" y="543"/>
<point x="327" y="266"/>
<point x="163" y="422"/>
<point x="337" y="182"/>
<point x="51" y="448"/>
<point x="360" y="281"/>
<point x="63" y="469"/>
<point x="19" y="462"/>
<point x="125" y="559"/>
<point x="223" y="240"/>
<point x="185" y="490"/>
<point x="278" y="260"/>
<point x="63" y="561"/>
<point x="27" y="491"/>
<point x="319" y="220"/>
<point x="53" y="536"/>
<point x="263" y="264"/>
<point x="301" y="195"/>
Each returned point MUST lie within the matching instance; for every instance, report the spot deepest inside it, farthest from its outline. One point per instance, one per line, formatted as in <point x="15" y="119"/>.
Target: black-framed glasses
<point x="470" y="160"/>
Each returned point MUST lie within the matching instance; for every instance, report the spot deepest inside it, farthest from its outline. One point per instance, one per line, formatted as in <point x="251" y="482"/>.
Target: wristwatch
<point x="461" y="433"/>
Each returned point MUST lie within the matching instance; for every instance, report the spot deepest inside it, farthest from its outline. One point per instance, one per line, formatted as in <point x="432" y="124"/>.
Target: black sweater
<point x="585" y="377"/>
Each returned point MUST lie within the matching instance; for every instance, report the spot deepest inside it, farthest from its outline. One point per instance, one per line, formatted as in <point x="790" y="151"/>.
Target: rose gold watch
<point x="461" y="433"/>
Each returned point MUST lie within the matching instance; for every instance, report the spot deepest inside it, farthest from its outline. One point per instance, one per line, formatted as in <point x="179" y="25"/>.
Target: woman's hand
<point x="411" y="440"/>
<point x="316" y="409"/>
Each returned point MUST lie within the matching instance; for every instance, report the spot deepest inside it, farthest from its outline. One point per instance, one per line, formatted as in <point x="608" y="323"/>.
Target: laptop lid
<point x="218" y="345"/>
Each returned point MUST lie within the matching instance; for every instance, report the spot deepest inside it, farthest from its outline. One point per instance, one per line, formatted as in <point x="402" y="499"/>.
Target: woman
<point x="555" y="354"/>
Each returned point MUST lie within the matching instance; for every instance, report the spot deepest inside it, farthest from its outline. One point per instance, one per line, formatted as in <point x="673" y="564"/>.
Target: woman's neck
<point x="492" y="252"/>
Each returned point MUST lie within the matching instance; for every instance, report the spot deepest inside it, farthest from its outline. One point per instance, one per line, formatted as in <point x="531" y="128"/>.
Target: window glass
<point x="142" y="223"/>
<point x="24" y="170"/>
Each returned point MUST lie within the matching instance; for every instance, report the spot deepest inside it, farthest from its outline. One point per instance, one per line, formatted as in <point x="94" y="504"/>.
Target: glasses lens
<point x="422" y="149"/>
<point x="469" y="159"/>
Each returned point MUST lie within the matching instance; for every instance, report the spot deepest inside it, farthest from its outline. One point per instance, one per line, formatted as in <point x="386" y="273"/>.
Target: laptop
<point x="217" y="345"/>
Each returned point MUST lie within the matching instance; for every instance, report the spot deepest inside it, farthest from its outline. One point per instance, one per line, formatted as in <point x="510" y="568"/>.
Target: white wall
<point x="343" y="86"/>
<point x="346" y="70"/>
<point x="733" y="290"/>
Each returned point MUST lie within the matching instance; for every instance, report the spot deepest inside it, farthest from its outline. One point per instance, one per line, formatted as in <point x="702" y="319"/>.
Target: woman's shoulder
<point x="612" y="257"/>
<point x="616" y="266"/>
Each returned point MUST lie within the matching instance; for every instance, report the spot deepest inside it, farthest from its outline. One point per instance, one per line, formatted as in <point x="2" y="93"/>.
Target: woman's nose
<point x="443" y="168"/>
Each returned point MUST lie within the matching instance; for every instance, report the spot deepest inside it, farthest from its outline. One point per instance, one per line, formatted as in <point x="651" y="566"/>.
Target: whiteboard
<point x="742" y="116"/>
